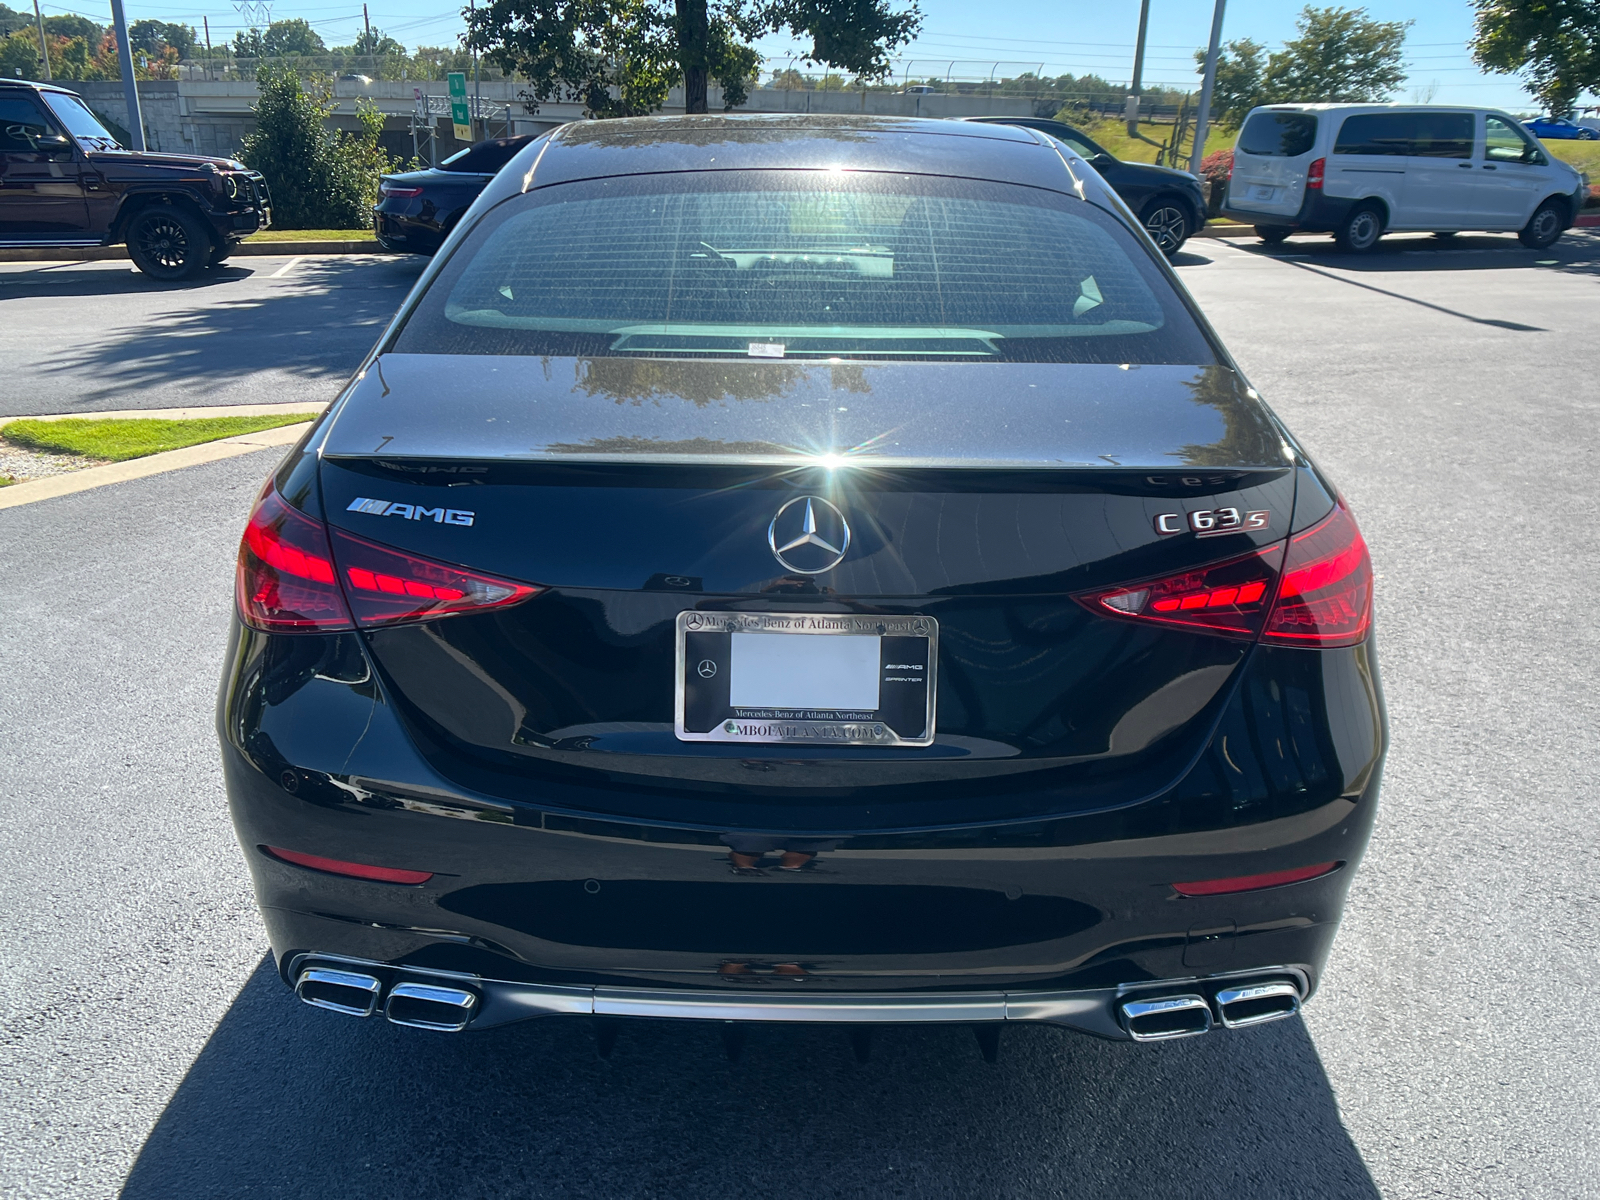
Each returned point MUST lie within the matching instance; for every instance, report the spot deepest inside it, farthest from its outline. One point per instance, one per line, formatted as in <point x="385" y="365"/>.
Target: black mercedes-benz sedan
<point x="802" y="568"/>
<point x="416" y="210"/>
<point x="1169" y="203"/>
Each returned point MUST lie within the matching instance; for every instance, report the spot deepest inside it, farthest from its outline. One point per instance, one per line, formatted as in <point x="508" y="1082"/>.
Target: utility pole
<point x="44" y="46"/>
<point x="477" y="83"/>
<point x="130" y="86"/>
<point x="1138" y="69"/>
<point x="206" y="21"/>
<point x="1205" y="90"/>
<point x="368" y="23"/>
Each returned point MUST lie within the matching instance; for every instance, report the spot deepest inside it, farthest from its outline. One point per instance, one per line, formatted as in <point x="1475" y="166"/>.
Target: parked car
<point x="810" y="570"/>
<point x="416" y="210"/>
<point x="1170" y="203"/>
<point x="1558" y="127"/>
<point x="1361" y="170"/>
<point x="65" y="181"/>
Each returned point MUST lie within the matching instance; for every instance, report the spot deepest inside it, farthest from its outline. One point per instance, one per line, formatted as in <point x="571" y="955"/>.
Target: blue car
<point x="1557" y="127"/>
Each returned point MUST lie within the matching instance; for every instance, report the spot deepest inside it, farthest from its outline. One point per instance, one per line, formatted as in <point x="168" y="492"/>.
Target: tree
<point x="152" y="37"/>
<point x="291" y="37"/>
<point x="13" y="21"/>
<point x="19" y="55"/>
<point x="375" y="42"/>
<point x="1554" y="43"/>
<point x="1341" y="56"/>
<point x="621" y="57"/>
<point x="73" y="27"/>
<point x="320" y="178"/>
<point x="1240" y="82"/>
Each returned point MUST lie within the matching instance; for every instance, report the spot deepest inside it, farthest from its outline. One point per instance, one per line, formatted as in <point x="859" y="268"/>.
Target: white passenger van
<point x="1360" y="170"/>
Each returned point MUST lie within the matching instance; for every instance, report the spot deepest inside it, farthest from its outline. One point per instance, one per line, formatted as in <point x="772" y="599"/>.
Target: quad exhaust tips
<point x="347" y="992"/>
<point x="1256" y="1004"/>
<point x="417" y="1005"/>
<point x="1160" y="1018"/>
<point x="425" y="1006"/>
<point x="1166" y="1017"/>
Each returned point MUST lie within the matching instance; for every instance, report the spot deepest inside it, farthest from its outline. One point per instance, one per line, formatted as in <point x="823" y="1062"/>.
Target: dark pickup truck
<point x="66" y="182"/>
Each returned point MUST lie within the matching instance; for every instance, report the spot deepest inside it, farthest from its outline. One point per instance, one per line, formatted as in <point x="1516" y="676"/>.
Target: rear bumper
<point x="1318" y="213"/>
<point x="537" y="896"/>
<point x="405" y="235"/>
<point x="486" y="1003"/>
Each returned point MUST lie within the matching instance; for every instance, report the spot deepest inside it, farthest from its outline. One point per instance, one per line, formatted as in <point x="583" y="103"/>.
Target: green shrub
<point x="321" y="178"/>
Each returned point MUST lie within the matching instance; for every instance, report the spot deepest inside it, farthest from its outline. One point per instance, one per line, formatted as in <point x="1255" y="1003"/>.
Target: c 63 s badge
<point x="1213" y="522"/>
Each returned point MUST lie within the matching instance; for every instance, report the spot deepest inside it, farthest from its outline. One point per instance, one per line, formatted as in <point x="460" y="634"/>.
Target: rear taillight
<point x="289" y="578"/>
<point x="1325" y="598"/>
<point x="1322" y="599"/>
<point x="399" y="192"/>
<point x="1229" y="598"/>
<point x="1314" y="173"/>
<point x="285" y="580"/>
<point x="386" y="585"/>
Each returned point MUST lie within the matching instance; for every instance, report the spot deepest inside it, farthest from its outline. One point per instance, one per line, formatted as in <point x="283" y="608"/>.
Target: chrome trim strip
<point x="858" y="1008"/>
<point x="1134" y="1010"/>
<point x="1264" y="991"/>
<point x="341" y="979"/>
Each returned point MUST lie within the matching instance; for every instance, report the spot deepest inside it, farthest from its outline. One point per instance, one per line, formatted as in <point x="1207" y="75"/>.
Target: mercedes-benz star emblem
<point x="809" y="535"/>
<point x="707" y="668"/>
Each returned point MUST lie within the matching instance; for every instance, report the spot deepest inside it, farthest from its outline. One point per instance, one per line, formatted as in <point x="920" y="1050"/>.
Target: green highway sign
<point x="460" y="114"/>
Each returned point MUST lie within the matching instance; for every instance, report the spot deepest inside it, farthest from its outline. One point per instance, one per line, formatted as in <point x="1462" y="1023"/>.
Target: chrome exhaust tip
<point x="1256" y="1004"/>
<point x="1167" y="1017"/>
<point x="426" y="1006"/>
<point x="347" y="992"/>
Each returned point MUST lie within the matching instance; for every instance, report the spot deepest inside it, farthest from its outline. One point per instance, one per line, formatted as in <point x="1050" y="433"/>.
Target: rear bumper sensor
<point x="1153" y="1011"/>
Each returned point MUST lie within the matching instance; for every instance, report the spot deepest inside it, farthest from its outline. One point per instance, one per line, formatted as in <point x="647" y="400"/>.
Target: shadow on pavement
<point x="288" y="1101"/>
<point x="319" y="321"/>
<point x="1576" y="252"/>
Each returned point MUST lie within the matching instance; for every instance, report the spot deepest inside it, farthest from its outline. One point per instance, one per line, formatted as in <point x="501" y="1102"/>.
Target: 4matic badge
<point x="1213" y="522"/>
<point x="411" y="512"/>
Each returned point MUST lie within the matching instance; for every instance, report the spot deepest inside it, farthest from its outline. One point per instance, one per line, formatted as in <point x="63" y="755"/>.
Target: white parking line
<point x="284" y="270"/>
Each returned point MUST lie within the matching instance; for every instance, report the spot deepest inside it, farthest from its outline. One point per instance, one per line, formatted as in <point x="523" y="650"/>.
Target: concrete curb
<point x="242" y="250"/>
<point x="52" y="486"/>
<point x="175" y="414"/>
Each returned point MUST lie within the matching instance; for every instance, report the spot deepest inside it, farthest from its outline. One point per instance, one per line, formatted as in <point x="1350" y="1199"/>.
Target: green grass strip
<point x="118" y="439"/>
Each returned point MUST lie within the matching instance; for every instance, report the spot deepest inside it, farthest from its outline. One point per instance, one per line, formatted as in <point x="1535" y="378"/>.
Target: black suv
<point x="65" y="181"/>
<point x="1169" y="202"/>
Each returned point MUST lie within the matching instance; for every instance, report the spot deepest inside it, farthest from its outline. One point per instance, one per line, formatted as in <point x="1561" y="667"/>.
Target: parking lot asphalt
<point x="93" y="336"/>
<point x="149" y="1050"/>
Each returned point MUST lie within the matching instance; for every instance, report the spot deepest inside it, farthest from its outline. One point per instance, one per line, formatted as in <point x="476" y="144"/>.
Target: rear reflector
<point x="354" y="870"/>
<point x="285" y="578"/>
<point x="1326" y="595"/>
<point x="386" y="585"/>
<point x="1252" y="883"/>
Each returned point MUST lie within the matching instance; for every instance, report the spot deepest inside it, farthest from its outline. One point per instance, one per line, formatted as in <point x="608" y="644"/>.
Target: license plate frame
<point x="908" y="665"/>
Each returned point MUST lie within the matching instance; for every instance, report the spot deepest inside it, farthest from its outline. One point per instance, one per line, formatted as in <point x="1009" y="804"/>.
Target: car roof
<point x="35" y="86"/>
<point x="792" y="141"/>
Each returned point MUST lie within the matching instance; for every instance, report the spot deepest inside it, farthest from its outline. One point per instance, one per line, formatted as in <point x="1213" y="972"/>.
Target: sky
<point x="1005" y="37"/>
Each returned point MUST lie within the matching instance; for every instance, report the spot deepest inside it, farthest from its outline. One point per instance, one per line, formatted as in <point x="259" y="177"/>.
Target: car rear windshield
<point x="804" y="264"/>
<point x="1278" y="134"/>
